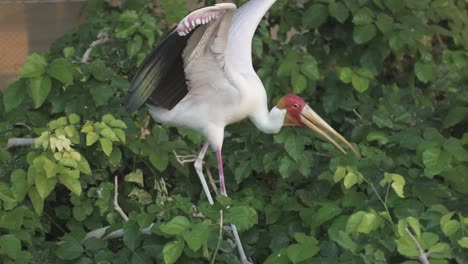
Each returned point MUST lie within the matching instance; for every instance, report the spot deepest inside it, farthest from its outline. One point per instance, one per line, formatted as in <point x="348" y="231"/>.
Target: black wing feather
<point x="160" y="80"/>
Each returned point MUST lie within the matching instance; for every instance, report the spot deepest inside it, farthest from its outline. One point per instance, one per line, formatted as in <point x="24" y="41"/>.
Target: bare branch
<point x="212" y="182"/>
<point x="116" y="202"/>
<point x="99" y="233"/>
<point x="20" y="142"/>
<point x="423" y="256"/>
<point x="102" y="38"/>
<point x="358" y="115"/>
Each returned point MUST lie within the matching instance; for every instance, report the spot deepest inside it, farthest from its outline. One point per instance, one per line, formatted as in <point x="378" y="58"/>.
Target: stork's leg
<point x="224" y="192"/>
<point x="199" y="169"/>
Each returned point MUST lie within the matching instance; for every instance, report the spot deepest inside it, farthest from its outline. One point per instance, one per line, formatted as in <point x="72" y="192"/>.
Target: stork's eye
<point x="295" y="106"/>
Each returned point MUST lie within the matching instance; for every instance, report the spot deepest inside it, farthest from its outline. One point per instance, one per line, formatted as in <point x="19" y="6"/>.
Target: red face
<point x="294" y="106"/>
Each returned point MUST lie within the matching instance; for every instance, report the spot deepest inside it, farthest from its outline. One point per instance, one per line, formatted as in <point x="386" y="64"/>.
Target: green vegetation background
<point x="389" y="74"/>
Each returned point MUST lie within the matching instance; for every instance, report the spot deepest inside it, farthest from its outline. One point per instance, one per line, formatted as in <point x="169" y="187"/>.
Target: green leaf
<point x="298" y="82"/>
<point x="198" y="236"/>
<point x="451" y="227"/>
<point x="176" y="226"/>
<point x="91" y="138"/>
<point x="172" y="251"/>
<point x="326" y="213"/>
<point x="94" y="244"/>
<point x="364" y="33"/>
<point x="40" y="88"/>
<point x="117" y="124"/>
<point x="456" y="115"/>
<point x="134" y="46"/>
<point x="385" y="23"/>
<point x="435" y="161"/>
<point x="363" y="16"/>
<point x="454" y="147"/>
<point x="295" y="147"/>
<point x="244" y="217"/>
<point x="10" y="245"/>
<point x="339" y="174"/>
<point x="315" y="16"/>
<point x="288" y="65"/>
<point x="34" y="66"/>
<point x="159" y="159"/>
<point x="136" y="177"/>
<point x="101" y="92"/>
<point x="49" y="167"/>
<point x="74" y="119"/>
<point x="440" y="251"/>
<point x="354" y="222"/>
<point x="463" y="242"/>
<point x="69" y="250"/>
<point x="69" y="52"/>
<point x="61" y="70"/>
<point x="339" y="11"/>
<point x="398" y="182"/>
<point x="346" y="74"/>
<point x="428" y="240"/>
<point x="120" y="135"/>
<point x="278" y="257"/>
<point x="286" y="167"/>
<point x="108" y="133"/>
<point x="299" y="252"/>
<point x="395" y="5"/>
<point x="424" y="71"/>
<point x="378" y="136"/>
<point x="19" y="185"/>
<point x="132" y="235"/>
<point x="83" y="166"/>
<point x="350" y="180"/>
<point x="14" y="95"/>
<point x="360" y="83"/>
<point x="44" y="185"/>
<point x="36" y="200"/>
<point x="70" y="180"/>
<point x="414" y="224"/>
<point x="106" y="146"/>
<point x="310" y="68"/>
<point x="407" y="247"/>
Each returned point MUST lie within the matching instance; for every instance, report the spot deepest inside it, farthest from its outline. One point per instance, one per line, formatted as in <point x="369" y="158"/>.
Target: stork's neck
<point x="269" y="122"/>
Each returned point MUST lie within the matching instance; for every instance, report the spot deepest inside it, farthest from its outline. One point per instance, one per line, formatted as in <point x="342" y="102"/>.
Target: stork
<point x="201" y="77"/>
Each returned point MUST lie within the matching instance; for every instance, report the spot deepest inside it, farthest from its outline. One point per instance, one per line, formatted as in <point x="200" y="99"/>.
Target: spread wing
<point x="244" y="25"/>
<point x="162" y="78"/>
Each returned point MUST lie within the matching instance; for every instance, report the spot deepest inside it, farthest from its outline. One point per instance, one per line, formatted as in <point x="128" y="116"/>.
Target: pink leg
<point x="222" y="185"/>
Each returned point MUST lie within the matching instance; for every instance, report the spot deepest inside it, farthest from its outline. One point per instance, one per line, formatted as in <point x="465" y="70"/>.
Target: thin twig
<point x="383" y="203"/>
<point x="116" y="202"/>
<point x="422" y="255"/>
<point x="220" y="237"/>
<point x="23" y="125"/>
<point x="55" y="223"/>
<point x="212" y="182"/>
<point x="357" y="114"/>
<point x="20" y="142"/>
<point x="99" y="233"/>
<point x="102" y="38"/>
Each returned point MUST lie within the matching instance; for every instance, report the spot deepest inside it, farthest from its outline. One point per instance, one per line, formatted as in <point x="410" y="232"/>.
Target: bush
<point x="391" y="75"/>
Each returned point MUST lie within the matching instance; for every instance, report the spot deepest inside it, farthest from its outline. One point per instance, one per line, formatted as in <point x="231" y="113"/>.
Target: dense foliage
<point x="389" y="74"/>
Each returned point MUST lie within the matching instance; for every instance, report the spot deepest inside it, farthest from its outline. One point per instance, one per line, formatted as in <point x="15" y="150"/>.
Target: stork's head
<point x="298" y="113"/>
